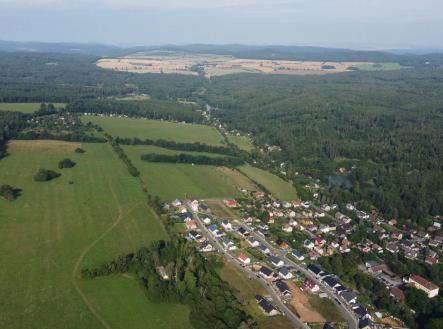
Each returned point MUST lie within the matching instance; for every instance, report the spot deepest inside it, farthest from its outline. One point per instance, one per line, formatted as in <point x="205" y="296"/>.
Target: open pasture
<point x="25" y="107"/>
<point x="155" y="129"/>
<point x="170" y="180"/>
<point x="89" y="215"/>
<point x="274" y="184"/>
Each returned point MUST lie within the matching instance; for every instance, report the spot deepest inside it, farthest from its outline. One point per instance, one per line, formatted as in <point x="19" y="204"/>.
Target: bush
<point x="9" y="193"/>
<point x="79" y="150"/>
<point x="44" y="175"/>
<point x="66" y="163"/>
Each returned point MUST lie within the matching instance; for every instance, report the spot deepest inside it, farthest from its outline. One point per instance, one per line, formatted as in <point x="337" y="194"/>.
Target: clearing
<point x="170" y="180"/>
<point x="54" y="229"/>
<point x="219" y="209"/>
<point x="301" y="303"/>
<point x="155" y="129"/>
<point x="274" y="184"/>
<point x="243" y="142"/>
<point x="238" y="178"/>
<point x="25" y="107"/>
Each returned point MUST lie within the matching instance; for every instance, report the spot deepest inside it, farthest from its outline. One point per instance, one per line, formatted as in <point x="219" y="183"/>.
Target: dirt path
<point x="302" y="306"/>
<point x="75" y="272"/>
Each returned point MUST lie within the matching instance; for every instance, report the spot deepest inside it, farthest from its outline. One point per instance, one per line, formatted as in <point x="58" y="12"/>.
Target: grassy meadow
<point x="243" y="142"/>
<point x="155" y="129"/>
<point x="54" y="229"/>
<point x="170" y="180"/>
<point x="25" y="107"/>
<point x="379" y="66"/>
<point x="274" y="184"/>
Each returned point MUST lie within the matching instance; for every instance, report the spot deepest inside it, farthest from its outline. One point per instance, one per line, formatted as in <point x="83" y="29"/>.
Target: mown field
<point x="170" y="181"/>
<point x="24" y="107"/>
<point x="154" y="129"/>
<point x="274" y="184"/>
<point x="54" y="229"/>
<point x="243" y="142"/>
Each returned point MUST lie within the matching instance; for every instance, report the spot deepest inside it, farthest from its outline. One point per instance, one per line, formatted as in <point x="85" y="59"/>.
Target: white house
<point x="284" y="273"/>
<point x="226" y="225"/>
<point x="252" y="241"/>
<point x="244" y="259"/>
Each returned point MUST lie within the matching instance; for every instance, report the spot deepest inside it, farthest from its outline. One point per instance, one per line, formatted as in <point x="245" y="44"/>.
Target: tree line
<point x="231" y="149"/>
<point x="192" y="159"/>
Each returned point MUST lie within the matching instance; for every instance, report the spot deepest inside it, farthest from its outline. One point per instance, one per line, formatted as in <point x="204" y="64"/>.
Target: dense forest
<point x="50" y="77"/>
<point x="384" y="128"/>
<point x="176" y="272"/>
<point x="151" y="109"/>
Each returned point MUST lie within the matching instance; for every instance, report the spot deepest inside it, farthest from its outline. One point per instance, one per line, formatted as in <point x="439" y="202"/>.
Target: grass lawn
<point x="155" y="129"/>
<point x="170" y="181"/>
<point x="243" y="142"/>
<point x="326" y="308"/>
<point x="274" y="184"/>
<point x="25" y="107"/>
<point x="54" y="229"/>
<point x="123" y="303"/>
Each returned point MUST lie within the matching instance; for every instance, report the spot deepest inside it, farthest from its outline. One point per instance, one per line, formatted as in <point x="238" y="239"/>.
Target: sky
<point x="363" y="24"/>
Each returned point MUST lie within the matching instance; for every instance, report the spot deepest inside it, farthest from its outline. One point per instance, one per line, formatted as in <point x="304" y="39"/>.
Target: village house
<point x="283" y="289"/>
<point x="397" y="235"/>
<point x="308" y="244"/>
<point x="242" y="231"/>
<point x="349" y="297"/>
<point x="194" y="235"/>
<point x="191" y="225"/>
<point x="398" y="294"/>
<point x="297" y="255"/>
<point x="314" y="269"/>
<point x="244" y="259"/>
<point x="207" y="220"/>
<point x="422" y="284"/>
<point x="228" y="243"/>
<point x="275" y="261"/>
<point x="185" y="216"/>
<point x="287" y="228"/>
<point x="206" y="246"/>
<point x="309" y="285"/>
<point x="182" y="209"/>
<point x="194" y="205"/>
<point x="265" y="250"/>
<point x="231" y="203"/>
<point x="226" y="225"/>
<point x="252" y="241"/>
<point x="265" y="306"/>
<point x="266" y="273"/>
<point x="213" y="229"/>
<point x="284" y="273"/>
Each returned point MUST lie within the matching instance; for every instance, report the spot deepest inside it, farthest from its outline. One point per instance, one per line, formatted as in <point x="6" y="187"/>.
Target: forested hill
<point x="387" y="124"/>
<point x="56" y="77"/>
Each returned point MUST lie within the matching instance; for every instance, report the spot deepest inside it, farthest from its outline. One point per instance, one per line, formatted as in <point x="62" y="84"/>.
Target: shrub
<point x="66" y="163"/>
<point x="79" y="150"/>
<point x="44" y="175"/>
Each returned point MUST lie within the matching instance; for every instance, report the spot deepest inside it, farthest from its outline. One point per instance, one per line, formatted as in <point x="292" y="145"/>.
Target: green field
<point x="123" y="303"/>
<point x="379" y="66"/>
<point x="243" y="142"/>
<point x="170" y="181"/>
<point x="25" y="107"/>
<point x="154" y="129"/>
<point x="274" y="184"/>
<point x="54" y="229"/>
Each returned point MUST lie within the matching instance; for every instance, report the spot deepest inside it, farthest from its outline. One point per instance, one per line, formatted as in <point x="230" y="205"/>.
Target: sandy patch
<point x="301" y="304"/>
<point x="42" y="146"/>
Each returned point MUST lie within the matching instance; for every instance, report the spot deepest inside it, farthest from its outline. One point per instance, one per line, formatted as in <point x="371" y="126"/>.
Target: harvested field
<point x="219" y="209"/>
<point x="214" y="65"/>
<point x="42" y="146"/>
<point x="238" y="178"/>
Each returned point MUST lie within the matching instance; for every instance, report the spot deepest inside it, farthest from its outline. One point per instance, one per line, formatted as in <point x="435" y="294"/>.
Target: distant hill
<point x="304" y="53"/>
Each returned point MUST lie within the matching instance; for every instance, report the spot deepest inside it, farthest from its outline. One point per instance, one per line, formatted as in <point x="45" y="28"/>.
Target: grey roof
<point x="348" y="295"/>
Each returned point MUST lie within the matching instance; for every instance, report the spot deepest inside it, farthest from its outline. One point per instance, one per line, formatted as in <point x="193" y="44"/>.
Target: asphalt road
<point x="268" y="287"/>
